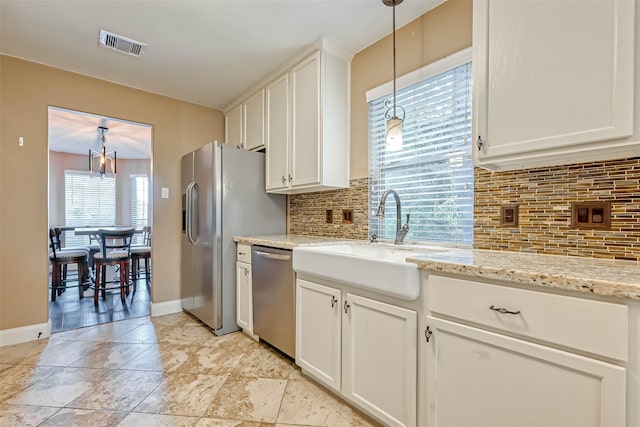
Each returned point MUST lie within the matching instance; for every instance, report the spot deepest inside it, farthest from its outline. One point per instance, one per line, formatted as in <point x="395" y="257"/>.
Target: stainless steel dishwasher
<point x="274" y="297"/>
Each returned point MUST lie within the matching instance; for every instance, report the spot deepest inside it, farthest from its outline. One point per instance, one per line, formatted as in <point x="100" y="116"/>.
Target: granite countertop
<point x="289" y="241"/>
<point x="597" y="276"/>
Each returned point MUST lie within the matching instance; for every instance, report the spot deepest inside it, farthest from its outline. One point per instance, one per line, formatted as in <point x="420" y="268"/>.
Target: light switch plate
<point x="165" y="192"/>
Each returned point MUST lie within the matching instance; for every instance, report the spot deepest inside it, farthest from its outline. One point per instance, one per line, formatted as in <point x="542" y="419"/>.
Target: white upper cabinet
<point x="254" y="121"/>
<point x="553" y="82"/>
<point x="244" y="123"/>
<point x="317" y="136"/>
<point x="234" y="126"/>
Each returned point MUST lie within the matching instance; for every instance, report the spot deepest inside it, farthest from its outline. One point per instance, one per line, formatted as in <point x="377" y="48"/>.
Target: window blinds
<point x="433" y="173"/>
<point x="139" y="204"/>
<point x="88" y="201"/>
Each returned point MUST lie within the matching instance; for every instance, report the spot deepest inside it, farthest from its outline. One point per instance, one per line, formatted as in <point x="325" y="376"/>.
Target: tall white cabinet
<point x="553" y="82"/>
<point x="364" y="349"/>
<point x="307" y="111"/>
<point x="244" y="289"/>
<point x="244" y="123"/>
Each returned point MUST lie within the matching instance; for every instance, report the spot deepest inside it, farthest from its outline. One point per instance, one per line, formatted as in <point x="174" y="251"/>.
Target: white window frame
<point x="385" y="229"/>
<point x="136" y="222"/>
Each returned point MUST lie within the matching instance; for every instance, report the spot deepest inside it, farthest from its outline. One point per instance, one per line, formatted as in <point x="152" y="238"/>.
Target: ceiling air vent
<point x="122" y="44"/>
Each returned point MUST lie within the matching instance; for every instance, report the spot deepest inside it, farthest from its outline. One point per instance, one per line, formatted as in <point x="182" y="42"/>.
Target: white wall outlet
<point x="21" y="142"/>
<point x="165" y="192"/>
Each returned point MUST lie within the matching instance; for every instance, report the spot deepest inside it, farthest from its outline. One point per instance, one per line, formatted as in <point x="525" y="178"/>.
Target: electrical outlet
<point x="591" y="215"/>
<point x="509" y="215"/>
<point x="347" y="216"/>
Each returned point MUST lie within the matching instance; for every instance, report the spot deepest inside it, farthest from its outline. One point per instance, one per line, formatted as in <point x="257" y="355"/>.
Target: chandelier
<point x="101" y="158"/>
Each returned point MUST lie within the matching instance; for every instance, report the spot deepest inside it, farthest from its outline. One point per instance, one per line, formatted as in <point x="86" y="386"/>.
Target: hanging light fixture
<point x="393" y="137"/>
<point x="102" y="157"/>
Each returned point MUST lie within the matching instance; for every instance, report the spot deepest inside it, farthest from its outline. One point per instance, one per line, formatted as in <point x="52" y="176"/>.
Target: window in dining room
<point x="88" y="202"/>
<point x="139" y="203"/>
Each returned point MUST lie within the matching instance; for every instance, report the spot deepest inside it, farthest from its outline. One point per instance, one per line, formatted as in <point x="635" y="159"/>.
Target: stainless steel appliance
<point x="223" y="195"/>
<point x="274" y="298"/>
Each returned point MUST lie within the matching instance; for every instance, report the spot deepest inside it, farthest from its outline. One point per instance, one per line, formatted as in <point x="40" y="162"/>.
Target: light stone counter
<point x="289" y="241"/>
<point x="598" y="276"/>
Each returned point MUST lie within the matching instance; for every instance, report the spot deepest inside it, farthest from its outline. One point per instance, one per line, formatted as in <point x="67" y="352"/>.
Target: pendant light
<point x="102" y="156"/>
<point x="393" y="136"/>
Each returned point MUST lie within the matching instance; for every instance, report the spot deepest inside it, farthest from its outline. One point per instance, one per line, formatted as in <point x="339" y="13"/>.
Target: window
<point x="88" y="201"/>
<point x="433" y="173"/>
<point x="139" y="204"/>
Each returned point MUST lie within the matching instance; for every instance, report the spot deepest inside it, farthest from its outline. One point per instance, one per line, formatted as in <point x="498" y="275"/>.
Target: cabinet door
<point x="254" y="121"/>
<point x="551" y="74"/>
<point x="482" y="379"/>
<point x="305" y="138"/>
<point x="233" y="127"/>
<point x="244" y="295"/>
<point x="277" y="134"/>
<point x="380" y="348"/>
<point x="318" y="335"/>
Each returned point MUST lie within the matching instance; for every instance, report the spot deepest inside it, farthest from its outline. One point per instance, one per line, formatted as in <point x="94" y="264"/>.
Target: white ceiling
<point x="77" y="133"/>
<point x="207" y="52"/>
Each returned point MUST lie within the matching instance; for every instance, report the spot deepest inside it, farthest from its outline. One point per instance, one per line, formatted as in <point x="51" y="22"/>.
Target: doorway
<point x="99" y="176"/>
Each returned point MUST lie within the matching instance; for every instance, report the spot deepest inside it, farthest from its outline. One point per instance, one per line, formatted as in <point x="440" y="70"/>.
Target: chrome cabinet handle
<point x="480" y="143"/>
<point x="346" y="307"/>
<point x="334" y="301"/>
<point x="503" y="310"/>
<point x="284" y="179"/>
<point x="427" y="334"/>
<point x="246" y="271"/>
<point x="273" y="255"/>
<point x="290" y="178"/>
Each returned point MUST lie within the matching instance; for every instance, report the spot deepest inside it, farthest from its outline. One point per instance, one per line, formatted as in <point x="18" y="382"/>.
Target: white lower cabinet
<point x="500" y="359"/>
<point x="244" y="290"/>
<point x="364" y="349"/>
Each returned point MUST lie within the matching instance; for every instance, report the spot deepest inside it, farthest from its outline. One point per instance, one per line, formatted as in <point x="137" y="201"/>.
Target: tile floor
<point x="165" y="371"/>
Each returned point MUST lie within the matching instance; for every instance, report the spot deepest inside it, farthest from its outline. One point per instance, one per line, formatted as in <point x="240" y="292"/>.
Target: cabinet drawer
<point x="591" y="326"/>
<point x="244" y="253"/>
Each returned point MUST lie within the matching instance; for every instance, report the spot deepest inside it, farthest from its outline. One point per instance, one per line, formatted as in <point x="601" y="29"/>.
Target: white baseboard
<point x="25" y="333"/>
<point x="167" y="307"/>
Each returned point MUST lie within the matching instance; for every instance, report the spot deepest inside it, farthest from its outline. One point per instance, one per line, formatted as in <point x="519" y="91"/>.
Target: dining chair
<point x="115" y="251"/>
<point x="141" y="252"/>
<point x="60" y="259"/>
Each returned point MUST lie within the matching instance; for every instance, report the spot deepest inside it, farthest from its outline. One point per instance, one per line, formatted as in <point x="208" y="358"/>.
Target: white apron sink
<point x="378" y="268"/>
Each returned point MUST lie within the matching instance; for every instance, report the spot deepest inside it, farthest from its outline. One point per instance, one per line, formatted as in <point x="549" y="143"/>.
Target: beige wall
<point x="27" y="89"/>
<point x="436" y="34"/>
<point x="59" y="162"/>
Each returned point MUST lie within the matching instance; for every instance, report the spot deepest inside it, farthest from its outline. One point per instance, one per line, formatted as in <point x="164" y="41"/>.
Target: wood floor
<point x="70" y="312"/>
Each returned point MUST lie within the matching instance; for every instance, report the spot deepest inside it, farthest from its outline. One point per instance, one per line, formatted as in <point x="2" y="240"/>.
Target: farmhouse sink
<point x="378" y="268"/>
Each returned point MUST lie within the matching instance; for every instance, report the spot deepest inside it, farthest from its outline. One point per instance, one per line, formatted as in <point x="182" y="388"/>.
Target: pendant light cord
<point x="394" y="59"/>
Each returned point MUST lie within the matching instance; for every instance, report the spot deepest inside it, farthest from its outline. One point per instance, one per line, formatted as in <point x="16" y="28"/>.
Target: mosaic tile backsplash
<point x="543" y="196"/>
<point x="307" y="212"/>
<point x="544" y="199"/>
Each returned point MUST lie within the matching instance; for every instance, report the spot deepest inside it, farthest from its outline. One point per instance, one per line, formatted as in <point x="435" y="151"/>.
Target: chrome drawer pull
<point x="503" y="310"/>
<point x="334" y="301"/>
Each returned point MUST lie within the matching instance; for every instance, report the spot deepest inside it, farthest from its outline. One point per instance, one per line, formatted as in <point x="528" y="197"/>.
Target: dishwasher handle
<point x="269" y="255"/>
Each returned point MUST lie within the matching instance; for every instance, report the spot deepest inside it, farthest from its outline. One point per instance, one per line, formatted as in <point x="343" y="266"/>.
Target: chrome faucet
<point x="401" y="231"/>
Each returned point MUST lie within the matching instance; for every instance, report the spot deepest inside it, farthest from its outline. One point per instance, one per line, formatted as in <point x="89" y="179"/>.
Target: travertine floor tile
<point x="185" y="335"/>
<point x="143" y="334"/>
<point x="84" y="417"/>
<point x="217" y="422"/>
<point x="182" y="394"/>
<point x="63" y="353"/>
<point x="161" y="358"/>
<point x="238" y="338"/>
<point x="308" y="404"/>
<point x="262" y="362"/>
<point x="24" y="415"/>
<point x="16" y="378"/>
<point x="215" y="360"/>
<point x="120" y="391"/>
<point x="176" y="319"/>
<point x="18" y="353"/>
<point x="135" y="419"/>
<point x="105" y="332"/>
<point x="60" y="388"/>
<point x="251" y="399"/>
<point x="111" y="355"/>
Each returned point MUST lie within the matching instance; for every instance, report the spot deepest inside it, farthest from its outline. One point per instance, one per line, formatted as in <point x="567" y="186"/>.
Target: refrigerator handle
<point x="190" y="212"/>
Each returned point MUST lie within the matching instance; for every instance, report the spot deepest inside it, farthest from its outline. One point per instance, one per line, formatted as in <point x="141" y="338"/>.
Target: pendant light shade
<point x="393" y="137"/>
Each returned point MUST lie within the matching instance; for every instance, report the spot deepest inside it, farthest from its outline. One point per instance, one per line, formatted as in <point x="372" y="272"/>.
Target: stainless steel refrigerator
<point x="223" y="195"/>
